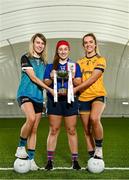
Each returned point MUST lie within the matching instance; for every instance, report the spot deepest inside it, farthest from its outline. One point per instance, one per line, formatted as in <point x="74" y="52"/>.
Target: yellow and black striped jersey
<point x="88" y="65"/>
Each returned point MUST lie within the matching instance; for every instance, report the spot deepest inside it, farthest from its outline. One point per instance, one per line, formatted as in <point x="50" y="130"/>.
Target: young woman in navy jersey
<point x="30" y="96"/>
<point x="63" y="104"/>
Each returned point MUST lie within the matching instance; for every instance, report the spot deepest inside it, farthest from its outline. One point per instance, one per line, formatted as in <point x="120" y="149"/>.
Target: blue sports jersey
<point x="27" y="87"/>
<point x="62" y="67"/>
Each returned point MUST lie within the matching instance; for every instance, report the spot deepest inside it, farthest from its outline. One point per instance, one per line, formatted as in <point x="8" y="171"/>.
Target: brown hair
<point x="94" y="38"/>
<point x="56" y="60"/>
<point x="31" y="48"/>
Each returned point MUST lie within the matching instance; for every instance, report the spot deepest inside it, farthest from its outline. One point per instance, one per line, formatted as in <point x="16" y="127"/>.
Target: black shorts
<point x="61" y="107"/>
<point x="38" y="107"/>
<point x="85" y="106"/>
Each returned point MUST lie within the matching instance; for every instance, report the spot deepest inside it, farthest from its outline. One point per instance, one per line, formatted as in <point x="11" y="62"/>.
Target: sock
<point x="98" y="143"/>
<point x="22" y="142"/>
<point x="50" y="155"/>
<point x="31" y="153"/>
<point x="74" y="156"/>
<point x="91" y="153"/>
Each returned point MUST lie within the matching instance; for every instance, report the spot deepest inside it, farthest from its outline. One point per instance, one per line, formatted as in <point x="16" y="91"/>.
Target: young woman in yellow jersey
<point x="92" y="95"/>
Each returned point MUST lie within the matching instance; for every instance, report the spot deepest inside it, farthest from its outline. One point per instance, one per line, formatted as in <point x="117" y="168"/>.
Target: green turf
<point x="116" y="150"/>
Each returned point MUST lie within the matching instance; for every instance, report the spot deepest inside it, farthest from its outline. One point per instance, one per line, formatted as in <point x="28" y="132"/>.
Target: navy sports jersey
<point x="64" y="68"/>
<point x="27" y="87"/>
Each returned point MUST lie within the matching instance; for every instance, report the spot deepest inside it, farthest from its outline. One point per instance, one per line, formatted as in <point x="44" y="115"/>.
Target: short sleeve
<point x="48" y="71"/>
<point x="101" y="64"/>
<point x="78" y="73"/>
<point x="25" y="63"/>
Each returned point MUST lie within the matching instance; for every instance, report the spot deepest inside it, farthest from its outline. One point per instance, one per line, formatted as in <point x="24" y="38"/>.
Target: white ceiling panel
<point x="108" y="19"/>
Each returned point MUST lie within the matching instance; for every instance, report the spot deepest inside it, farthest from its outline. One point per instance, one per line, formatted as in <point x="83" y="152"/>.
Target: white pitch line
<point x="70" y="168"/>
<point x="117" y="168"/>
<point x="6" y="169"/>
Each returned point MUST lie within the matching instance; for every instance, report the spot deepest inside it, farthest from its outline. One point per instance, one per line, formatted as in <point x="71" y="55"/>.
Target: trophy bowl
<point x="63" y="75"/>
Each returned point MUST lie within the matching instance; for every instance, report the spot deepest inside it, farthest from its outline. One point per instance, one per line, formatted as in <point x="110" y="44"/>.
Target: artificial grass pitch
<point x="115" y="147"/>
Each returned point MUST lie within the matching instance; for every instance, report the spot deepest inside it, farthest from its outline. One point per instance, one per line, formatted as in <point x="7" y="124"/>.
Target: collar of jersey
<point x="91" y="56"/>
<point x="63" y="62"/>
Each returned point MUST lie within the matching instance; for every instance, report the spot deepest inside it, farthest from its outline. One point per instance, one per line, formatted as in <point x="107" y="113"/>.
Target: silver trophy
<point x="63" y="75"/>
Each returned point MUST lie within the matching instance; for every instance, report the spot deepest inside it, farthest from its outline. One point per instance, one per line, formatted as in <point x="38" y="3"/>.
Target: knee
<point x="94" y="121"/>
<point x="71" y="131"/>
<point x="54" y="131"/>
<point x="30" y="121"/>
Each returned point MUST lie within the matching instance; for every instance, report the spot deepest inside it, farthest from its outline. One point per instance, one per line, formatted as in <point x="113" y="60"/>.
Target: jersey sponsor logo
<point x="87" y="72"/>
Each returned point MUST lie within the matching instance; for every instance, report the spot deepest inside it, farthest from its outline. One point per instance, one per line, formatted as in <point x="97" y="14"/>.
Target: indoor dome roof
<point x="109" y="20"/>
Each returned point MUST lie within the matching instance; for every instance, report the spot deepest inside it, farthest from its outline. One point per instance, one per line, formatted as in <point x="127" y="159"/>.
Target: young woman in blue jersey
<point x="30" y="96"/>
<point x="61" y="108"/>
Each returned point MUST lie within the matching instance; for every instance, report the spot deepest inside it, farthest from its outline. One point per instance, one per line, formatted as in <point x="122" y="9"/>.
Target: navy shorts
<point x="38" y="107"/>
<point x="85" y="106"/>
<point x="61" y="107"/>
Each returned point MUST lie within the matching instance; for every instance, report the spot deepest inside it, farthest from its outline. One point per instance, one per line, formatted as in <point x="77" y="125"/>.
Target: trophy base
<point x="62" y="92"/>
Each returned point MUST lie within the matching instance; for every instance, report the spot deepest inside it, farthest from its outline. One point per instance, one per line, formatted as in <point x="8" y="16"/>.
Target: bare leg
<point x="29" y="112"/>
<point x="55" y="123"/>
<point x="32" y="138"/>
<point x="70" y="125"/>
<point x="88" y="132"/>
<point x="95" y="117"/>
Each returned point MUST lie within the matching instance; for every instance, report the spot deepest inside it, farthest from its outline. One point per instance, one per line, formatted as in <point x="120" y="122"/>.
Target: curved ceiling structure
<point x="109" y="20"/>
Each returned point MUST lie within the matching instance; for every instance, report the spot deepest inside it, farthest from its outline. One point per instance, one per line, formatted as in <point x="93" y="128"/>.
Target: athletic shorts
<point x="61" y="107"/>
<point x="38" y="107"/>
<point x="85" y="106"/>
